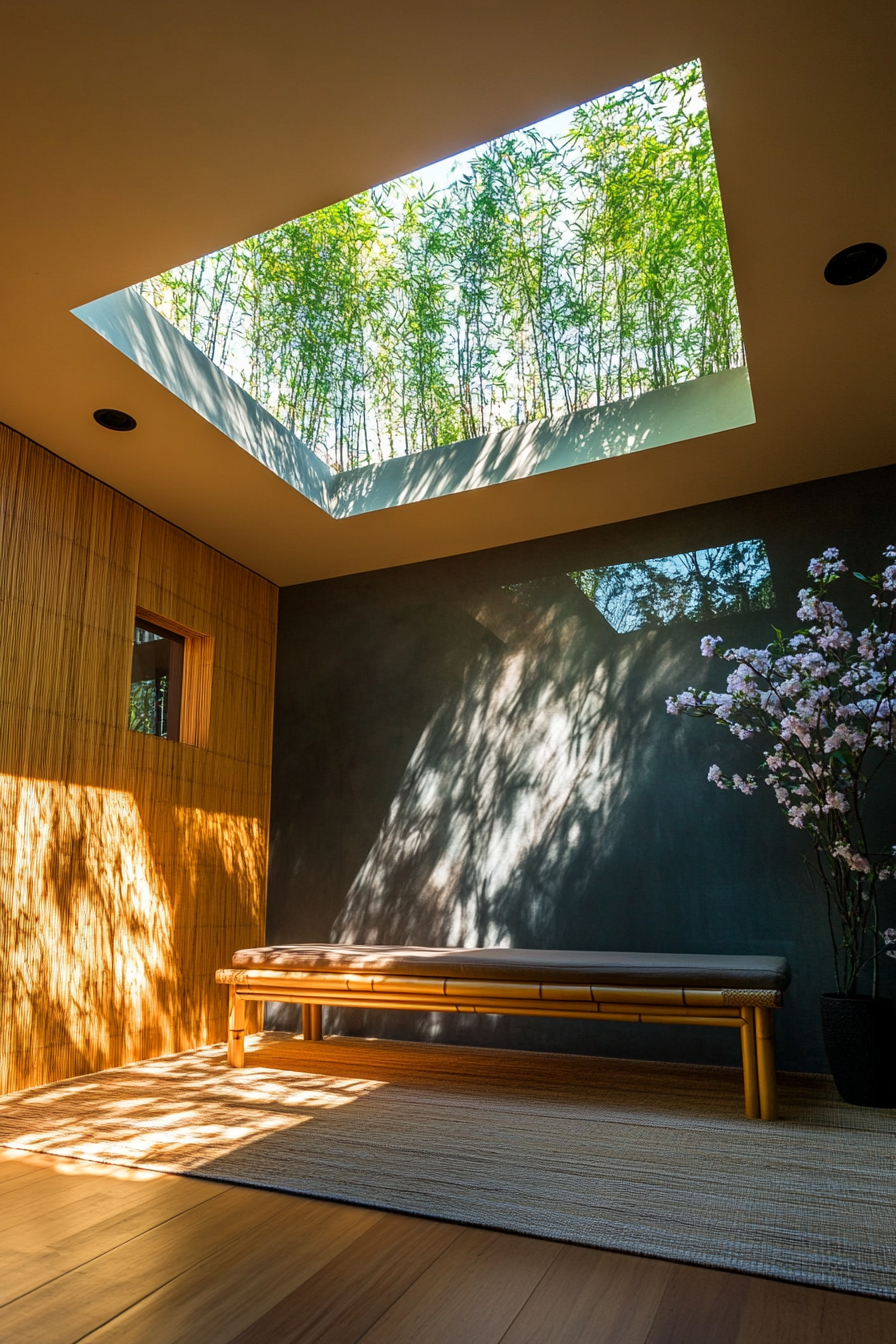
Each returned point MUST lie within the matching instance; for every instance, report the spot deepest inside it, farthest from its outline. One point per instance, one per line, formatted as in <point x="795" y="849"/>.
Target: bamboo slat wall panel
<point x="130" y="867"/>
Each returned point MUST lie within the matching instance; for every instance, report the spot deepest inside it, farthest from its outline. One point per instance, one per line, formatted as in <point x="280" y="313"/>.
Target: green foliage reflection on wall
<point x="577" y="262"/>
<point x="148" y="707"/>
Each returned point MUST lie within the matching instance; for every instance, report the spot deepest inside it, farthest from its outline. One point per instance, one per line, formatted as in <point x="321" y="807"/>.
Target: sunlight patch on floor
<point x="183" y="1108"/>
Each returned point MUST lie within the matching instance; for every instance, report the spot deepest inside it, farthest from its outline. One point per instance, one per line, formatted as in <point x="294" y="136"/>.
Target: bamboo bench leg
<point x="751" y="1075"/>
<point x="312" y="1022"/>
<point x="236" y="1033"/>
<point x="765" y="1055"/>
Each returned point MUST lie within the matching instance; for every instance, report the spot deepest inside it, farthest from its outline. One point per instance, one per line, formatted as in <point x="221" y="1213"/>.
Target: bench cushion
<point x="519" y="963"/>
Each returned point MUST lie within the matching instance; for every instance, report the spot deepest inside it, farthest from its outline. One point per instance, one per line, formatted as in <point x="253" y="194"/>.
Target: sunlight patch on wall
<point x="523" y="763"/>
<point x="91" y="910"/>
<point x="229" y="845"/>
<point x="695" y="585"/>
<point x="89" y="947"/>
<point x="574" y="263"/>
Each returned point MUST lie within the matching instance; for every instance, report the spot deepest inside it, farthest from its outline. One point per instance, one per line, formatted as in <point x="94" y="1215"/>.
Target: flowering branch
<point x="827" y="701"/>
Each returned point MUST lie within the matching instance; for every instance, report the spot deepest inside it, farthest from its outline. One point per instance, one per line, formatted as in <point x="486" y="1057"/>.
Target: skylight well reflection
<point x="579" y="261"/>
<point x="693" y="585"/>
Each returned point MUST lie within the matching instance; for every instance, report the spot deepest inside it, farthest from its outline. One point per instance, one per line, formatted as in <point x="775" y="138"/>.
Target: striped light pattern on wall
<point x="130" y="866"/>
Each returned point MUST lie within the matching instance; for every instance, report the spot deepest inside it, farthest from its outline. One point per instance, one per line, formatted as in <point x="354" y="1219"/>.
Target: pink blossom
<point x="823" y="703"/>
<point x="836" y="639"/>
<point x="685" y="700"/>
<point x="835" y="802"/>
<point x="791" y="726"/>
<point x="852" y="858"/>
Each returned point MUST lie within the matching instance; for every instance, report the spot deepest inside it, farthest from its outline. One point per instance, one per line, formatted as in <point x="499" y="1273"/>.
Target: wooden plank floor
<point x="107" y="1254"/>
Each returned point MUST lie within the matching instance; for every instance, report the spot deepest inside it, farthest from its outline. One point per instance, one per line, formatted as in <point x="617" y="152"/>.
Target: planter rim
<point x="856" y="998"/>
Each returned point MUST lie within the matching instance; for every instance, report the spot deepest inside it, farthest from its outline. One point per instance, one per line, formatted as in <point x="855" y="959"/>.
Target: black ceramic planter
<point x="860" y="1040"/>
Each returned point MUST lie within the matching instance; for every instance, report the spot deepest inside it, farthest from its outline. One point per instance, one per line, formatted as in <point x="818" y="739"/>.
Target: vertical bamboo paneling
<point x="130" y="867"/>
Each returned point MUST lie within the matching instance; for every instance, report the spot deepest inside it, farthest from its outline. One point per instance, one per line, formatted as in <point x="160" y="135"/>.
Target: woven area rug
<point x="655" y="1159"/>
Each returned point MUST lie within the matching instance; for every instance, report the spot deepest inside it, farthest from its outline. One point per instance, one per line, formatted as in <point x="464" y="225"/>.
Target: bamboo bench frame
<point x="750" y="1011"/>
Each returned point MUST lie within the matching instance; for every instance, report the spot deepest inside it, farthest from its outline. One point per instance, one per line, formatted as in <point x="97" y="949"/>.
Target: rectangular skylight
<point x="579" y="261"/>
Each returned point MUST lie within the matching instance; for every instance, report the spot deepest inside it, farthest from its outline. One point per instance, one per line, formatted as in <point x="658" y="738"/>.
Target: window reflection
<point x="157" y="668"/>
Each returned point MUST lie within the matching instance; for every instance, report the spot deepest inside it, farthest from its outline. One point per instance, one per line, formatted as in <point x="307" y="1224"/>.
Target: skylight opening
<point x="577" y="262"/>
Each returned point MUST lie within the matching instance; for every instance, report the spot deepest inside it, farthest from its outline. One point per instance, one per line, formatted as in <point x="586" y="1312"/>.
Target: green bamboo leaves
<point x="546" y="274"/>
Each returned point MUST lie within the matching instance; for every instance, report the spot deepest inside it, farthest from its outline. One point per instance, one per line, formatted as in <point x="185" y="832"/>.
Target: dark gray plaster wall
<point x="454" y="766"/>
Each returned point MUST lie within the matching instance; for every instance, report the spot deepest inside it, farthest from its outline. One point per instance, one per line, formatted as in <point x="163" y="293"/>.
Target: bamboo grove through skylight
<point x="579" y="261"/>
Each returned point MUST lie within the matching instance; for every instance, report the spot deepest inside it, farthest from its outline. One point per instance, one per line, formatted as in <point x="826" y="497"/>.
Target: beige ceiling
<point x="140" y="135"/>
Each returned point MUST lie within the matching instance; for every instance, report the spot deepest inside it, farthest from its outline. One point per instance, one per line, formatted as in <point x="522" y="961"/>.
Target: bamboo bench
<point x="740" y="993"/>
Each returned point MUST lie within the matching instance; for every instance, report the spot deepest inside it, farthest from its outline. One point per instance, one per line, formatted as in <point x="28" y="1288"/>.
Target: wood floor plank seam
<point x="433" y="1266"/>
<point x="116" y="1315"/>
<point x="554" y="1317"/>
<point x="582" y="1296"/>
<point x="471" y="1267"/>
<point x="27" y="1327"/>
<point x="652" y="1159"/>
<point x="28" y="1267"/>
<point x="523" y="1305"/>
<point x="193" y="1268"/>
<point x="88" y="1192"/>
<point x="273" y="1324"/>
<point x="92" y="1258"/>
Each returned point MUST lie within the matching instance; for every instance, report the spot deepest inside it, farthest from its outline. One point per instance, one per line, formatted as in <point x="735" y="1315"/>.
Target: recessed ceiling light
<point x="855" y="263"/>
<point x="110" y="419"/>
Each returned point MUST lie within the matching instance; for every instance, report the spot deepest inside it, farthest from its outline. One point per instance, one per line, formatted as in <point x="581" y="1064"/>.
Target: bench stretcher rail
<point x="750" y="1011"/>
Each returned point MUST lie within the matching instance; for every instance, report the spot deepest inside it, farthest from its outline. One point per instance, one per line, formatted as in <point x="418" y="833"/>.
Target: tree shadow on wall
<point x="360" y="679"/>
<point x="515" y="798"/>
<point x="89" y="950"/>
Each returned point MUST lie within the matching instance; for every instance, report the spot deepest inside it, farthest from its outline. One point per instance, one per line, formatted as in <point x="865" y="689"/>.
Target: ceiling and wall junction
<point x="141" y="136"/>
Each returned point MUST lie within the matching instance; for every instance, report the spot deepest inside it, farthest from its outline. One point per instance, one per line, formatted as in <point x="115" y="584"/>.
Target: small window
<point x="157" y="677"/>
<point x="171" y="679"/>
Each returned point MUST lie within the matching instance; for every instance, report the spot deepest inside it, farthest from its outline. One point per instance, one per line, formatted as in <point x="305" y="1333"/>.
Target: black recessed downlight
<point x="110" y="419"/>
<point x="855" y="263"/>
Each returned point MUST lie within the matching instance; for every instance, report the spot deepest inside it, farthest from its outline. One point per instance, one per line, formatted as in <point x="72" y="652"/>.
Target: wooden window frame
<point x="196" y="691"/>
